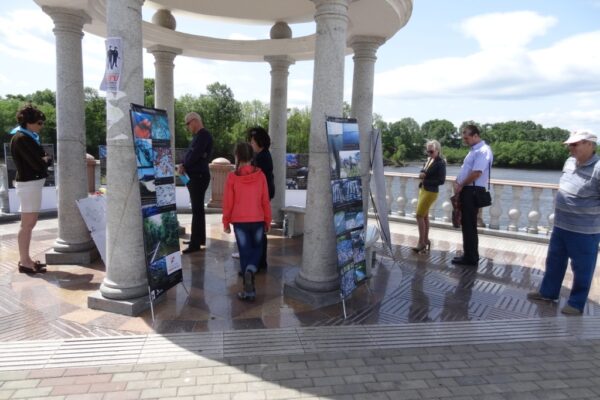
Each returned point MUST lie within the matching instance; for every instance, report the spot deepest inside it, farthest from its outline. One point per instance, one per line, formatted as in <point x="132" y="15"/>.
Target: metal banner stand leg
<point x="151" y="305"/>
<point x="343" y="305"/>
<point x="186" y="291"/>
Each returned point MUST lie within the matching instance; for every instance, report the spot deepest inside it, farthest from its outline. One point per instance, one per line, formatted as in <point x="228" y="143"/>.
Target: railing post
<point x="402" y="198"/>
<point x="496" y="207"/>
<point x="388" y="192"/>
<point x="551" y="215"/>
<point x="534" y="215"/>
<point x="514" y="213"/>
<point x="447" y="205"/>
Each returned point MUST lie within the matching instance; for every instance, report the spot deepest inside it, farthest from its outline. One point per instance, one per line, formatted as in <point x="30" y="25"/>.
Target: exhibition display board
<point x="346" y="189"/>
<point x="156" y="175"/>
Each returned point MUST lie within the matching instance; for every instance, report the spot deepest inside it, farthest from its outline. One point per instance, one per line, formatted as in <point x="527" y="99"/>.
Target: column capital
<point x="280" y="63"/>
<point x="164" y="54"/>
<point x="67" y="19"/>
<point x="365" y="46"/>
<point x="331" y="9"/>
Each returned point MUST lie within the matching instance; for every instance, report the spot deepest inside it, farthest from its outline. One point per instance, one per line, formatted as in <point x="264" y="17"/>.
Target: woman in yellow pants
<point x="432" y="176"/>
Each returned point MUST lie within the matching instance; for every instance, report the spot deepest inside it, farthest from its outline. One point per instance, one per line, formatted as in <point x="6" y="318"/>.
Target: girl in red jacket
<point x="246" y="205"/>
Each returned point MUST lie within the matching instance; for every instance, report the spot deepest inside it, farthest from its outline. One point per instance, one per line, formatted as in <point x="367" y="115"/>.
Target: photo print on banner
<point x="346" y="191"/>
<point x="156" y="175"/>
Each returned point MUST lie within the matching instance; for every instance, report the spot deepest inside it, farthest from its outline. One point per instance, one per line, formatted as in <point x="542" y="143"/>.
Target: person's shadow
<point x="419" y="306"/>
<point x="456" y="303"/>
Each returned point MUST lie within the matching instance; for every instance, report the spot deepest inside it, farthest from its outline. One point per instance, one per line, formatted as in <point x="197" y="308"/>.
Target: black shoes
<point x="189" y="250"/>
<point x="463" y="261"/>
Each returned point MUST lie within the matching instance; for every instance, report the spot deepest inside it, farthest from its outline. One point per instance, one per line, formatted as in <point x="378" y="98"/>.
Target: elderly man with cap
<point x="576" y="232"/>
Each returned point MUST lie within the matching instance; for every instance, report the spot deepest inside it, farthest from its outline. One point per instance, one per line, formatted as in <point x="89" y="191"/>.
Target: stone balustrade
<point x="520" y="207"/>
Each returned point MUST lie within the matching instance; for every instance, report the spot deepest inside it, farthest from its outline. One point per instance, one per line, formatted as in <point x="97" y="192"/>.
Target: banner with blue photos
<point x="346" y="191"/>
<point x="156" y="176"/>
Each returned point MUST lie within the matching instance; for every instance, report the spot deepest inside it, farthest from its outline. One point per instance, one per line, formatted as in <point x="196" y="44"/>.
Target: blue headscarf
<point x="29" y="133"/>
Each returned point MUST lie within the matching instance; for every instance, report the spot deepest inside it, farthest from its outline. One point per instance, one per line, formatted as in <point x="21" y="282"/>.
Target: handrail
<point x="517" y="207"/>
<point x="493" y="181"/>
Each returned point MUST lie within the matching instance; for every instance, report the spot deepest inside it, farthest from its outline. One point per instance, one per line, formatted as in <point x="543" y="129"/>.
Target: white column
<point x="365" y="49"/>
<point x="125" y="270"/>
<point x="73" y="244"/>
<point x="278" y="129"/>
<point x="319" y="262"/>
<point x="164" y="96"/>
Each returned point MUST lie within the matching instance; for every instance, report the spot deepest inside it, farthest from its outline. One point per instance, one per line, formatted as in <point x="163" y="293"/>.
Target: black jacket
<point x="198" y="155"/>
<point x="435" y="176"/>
<point x="27" y="155"/>
<point x="264" y="161"/>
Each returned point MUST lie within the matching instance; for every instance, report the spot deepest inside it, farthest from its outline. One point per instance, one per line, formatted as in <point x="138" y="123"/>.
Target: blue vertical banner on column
<point x="346" y="189"/>
<point x="156" y="176"/>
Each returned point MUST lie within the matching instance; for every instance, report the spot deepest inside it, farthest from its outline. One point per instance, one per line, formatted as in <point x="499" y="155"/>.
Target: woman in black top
<point x="31" y="162"/>
<point x="260" y="141"/>
<point x="432" y="176"/>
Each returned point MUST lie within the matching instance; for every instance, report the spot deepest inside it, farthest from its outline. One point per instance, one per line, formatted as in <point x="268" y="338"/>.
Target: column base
<point x="129" y="307"/>
<point x="85" y="257"/>
<point x="291" y="290"/>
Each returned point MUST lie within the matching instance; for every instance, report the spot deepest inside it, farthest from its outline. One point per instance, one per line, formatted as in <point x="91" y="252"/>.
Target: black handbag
<point x="484" y="199"/>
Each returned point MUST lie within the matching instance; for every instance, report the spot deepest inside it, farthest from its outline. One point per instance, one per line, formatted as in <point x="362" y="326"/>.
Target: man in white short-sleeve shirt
<point x="473" y="177"/>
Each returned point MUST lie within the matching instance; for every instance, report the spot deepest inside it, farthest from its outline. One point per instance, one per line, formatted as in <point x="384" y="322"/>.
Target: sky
<point x="487" y="61"/>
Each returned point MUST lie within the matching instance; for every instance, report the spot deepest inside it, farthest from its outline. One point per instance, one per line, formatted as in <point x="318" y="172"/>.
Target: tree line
<point x="518" y="144"/>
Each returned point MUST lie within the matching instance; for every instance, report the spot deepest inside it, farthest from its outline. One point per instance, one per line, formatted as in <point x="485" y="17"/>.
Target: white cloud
<point x="503" y="68"/>
<point x="26" y="35"/>
<point x="512" y="29"/>
<point x="573" y="119"/>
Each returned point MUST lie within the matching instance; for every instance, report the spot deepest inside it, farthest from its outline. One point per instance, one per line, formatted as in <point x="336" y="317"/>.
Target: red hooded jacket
<point x="246" y="197"/>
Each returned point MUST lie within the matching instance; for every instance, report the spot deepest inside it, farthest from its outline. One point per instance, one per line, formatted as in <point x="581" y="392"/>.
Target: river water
<point x="525" y="175"/>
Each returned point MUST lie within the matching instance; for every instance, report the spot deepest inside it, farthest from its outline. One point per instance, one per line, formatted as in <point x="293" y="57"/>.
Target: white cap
<point x="581" y="135"/>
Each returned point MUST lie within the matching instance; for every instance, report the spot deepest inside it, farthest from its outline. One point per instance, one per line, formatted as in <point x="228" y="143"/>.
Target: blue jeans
<point x="249" y="238"/>
<point x="582" y="249"/>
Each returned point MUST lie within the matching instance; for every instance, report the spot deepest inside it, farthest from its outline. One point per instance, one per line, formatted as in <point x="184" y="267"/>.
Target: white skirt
<point x="30" y="195"/>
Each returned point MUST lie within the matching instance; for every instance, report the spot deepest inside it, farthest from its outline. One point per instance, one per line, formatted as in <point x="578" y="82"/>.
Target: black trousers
<point x="197" y="187"/>
<point x="263" y="258"/>
<point x="469" y="223"/>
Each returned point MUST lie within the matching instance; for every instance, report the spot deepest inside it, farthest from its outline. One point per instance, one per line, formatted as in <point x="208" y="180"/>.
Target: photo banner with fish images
<point x="156" y="175"/>
<point x="346" y="190"/>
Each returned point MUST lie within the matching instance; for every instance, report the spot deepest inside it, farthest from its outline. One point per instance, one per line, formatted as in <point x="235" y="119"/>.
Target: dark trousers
<point x="468" y="223"/>
<point x="263" y="259"/>
<point x="197" y="188"/>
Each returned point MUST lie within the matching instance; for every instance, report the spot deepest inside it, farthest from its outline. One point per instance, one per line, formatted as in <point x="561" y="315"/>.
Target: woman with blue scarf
<point x="31" y="162"/>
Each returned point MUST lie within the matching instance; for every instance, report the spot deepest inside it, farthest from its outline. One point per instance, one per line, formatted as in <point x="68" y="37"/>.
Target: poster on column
<point x="113" y="66"/>
<point x="346" y="190"/>
<point x="156" y="176"/>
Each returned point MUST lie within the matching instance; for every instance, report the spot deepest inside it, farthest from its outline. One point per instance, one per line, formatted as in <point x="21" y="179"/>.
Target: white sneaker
<point x="235" y="255"/>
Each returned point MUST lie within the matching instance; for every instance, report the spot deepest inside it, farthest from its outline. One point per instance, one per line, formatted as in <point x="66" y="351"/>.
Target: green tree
<point x="95" y="120"/>
<point x="220" y="112"/>
<point x="149" y="92"/>
<point x="298" y="130"/>
<point x="408" y="141"/>
<point x="443" y="131"/>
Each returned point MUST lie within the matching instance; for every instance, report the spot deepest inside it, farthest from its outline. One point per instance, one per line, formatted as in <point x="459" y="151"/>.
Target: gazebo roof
<point x="381" y="18"/>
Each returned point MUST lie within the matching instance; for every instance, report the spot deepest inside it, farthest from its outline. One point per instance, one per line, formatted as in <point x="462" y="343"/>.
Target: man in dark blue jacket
<point x="195" y="165"/>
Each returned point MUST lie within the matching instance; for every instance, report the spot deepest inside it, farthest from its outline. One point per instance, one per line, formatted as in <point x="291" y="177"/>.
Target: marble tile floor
<point x="404" y="288"/>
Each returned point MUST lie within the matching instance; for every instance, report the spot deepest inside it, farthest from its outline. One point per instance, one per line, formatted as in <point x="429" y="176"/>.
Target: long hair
<point x="243" y="153"/>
